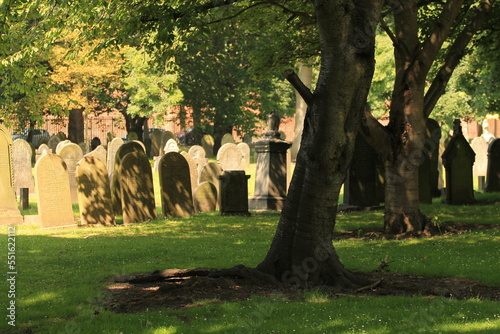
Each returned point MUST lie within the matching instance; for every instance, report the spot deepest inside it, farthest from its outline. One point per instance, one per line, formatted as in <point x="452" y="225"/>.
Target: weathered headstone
<point x="131" y="136"/>
<point x="493" y="174"/>
<point x="94" y="192"/>
<point x="165" y="136"/>
<point x="156" y="143"/>
<point x="210" y="173"/>
<point x="9" y="213"/>
<point x="227" y="138"/>
<point x="479" y="170"/>
<point x="42" y="150"/>
<point x="175" y="183"/>
<point x="198" y="154"/>
<point x="205" y="197"/>
<point x="23" y="177"/>
<point x="458" y="159"/>
<point x="193" y="170"/>
<point x="109" y="137"/>
<point x="99" y="153"/>
<point x="71" y="154"/>
<point x="171" y="146"/>
<point x="229" y="157"/>
<point x="53" y="192"/>
<point x="126" y="148"/>
<point x="61" y="144"/>
<point x="113" y="147"/>
<point x="208" y="142"/>
<point x="233" y="195"/>
<point x="136" y="188"/>
<point x="244" y="149"/>
<point x="53" y="141"/>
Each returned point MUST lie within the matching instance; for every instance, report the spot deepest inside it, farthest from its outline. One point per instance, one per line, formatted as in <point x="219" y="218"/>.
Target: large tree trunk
<point x="302" y="252"/>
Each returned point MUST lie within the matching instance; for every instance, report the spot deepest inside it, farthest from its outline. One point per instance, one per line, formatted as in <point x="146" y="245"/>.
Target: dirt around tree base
<point x="178" y="288"/>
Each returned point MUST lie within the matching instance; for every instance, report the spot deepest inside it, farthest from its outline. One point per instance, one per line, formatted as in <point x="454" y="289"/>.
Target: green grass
<point x="62" y="273"/>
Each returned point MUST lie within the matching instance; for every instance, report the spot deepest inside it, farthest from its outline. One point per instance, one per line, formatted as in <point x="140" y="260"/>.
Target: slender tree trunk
<point x="302" y="252"/>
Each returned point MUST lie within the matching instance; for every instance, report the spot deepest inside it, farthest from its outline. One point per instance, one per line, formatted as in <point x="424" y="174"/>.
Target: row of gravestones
<point x="87" y="179"/>
<point x="364" y="184"/>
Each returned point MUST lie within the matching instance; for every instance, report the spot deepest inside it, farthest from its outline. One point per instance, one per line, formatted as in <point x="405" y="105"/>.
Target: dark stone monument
<point x="458" y="159"/>
<point x="175" y="183"/>
<point x="233" y="196"/>
<point x="271" y="173"/>
<point x="493" y="175"/>
<point x="428" y="172"/>
<point x="136" y="188"/>
<point x="360" y="183"/>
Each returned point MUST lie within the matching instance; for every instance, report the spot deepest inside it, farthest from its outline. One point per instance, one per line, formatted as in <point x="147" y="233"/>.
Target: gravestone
<point x="94" y="192"/>
<point x="53" y="192"/>
<point x="208" y="142"/>
<point x="109" y="137"/>
<point x="42" y="150"/>
<point x="165" y="136"/>
<point x="205" y="197"/>
<point x="61" y="144"/>
<point x="271" y="171"/>
<point x="227" y="138"/>
<point x="113" y="147"/>
<point x="244" y="149"/>
<point x="198" y="154"/>
<point x="175" y="183"/>
<point x="136" y="188"/>
<point x="94" y="143"/>
<point x="193" y="170"/>
<point x="53" y="141"/>
<point x="9" y="213"/>
<point x="132" y="136"/>
<point x="428" y="173"/>
<point x="233" y="195"/>
<point x="99" y="153"/>
<point x="493" y="173"/>
<point x="71" y="154"/>
<point x="126" y="148"/>
<point x="458" y="159"/>
<point x="361" y="180"/>
<point x="156" y="143"/>
<point x="210" y="173"/>
<point x="23" y="176"/>
<point x="171" y="146"/>
<point x="229" y="157"/>
<point x="479" y="170"/>
<point x="43" y="140"/>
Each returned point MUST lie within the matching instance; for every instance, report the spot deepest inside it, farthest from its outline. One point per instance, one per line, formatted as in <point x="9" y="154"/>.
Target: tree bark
<point x="302" y="252"/>
<point x="407" y="125"/>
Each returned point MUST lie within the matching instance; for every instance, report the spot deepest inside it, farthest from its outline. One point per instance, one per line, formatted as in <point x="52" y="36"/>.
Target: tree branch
<point x="302" y="89"/>
<point x="454" y="55"/>
<point x="433" y="43"/>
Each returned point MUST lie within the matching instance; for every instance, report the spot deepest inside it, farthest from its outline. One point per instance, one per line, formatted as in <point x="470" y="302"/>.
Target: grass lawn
<point x="61" y="274"/>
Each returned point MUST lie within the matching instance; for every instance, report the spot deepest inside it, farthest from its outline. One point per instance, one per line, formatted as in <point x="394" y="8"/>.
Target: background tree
<point x="24" y="67"/>
<point x="416" y="48"/>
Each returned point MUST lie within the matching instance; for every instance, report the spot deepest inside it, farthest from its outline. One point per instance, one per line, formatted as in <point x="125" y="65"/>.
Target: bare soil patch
<point x="181" y="288"/>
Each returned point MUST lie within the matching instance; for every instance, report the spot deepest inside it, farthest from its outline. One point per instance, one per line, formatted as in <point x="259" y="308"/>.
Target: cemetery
<point x="188" y="211"/>
<point x="248" y="166"/>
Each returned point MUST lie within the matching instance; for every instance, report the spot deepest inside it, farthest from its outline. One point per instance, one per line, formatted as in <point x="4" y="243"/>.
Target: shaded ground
<point x="179" y="288"/>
